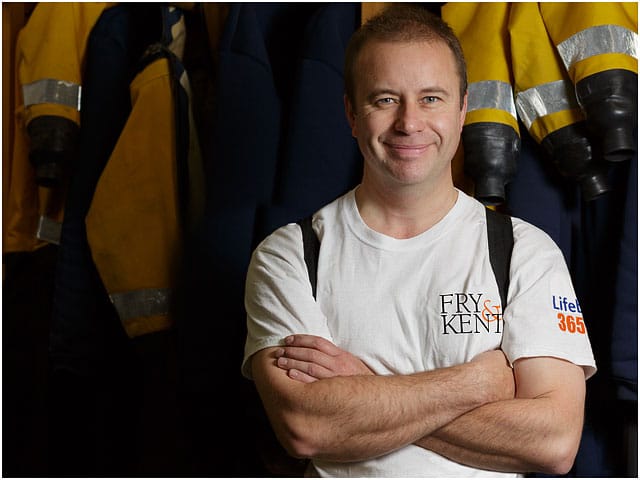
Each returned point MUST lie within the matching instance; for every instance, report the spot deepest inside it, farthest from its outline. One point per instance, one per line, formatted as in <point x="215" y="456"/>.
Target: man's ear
<point x="463" y="111"/>
<point x="351" y="116"/>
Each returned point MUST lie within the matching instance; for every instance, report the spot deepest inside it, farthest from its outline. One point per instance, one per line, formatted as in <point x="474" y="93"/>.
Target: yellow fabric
<point x="50" y="45"/>
<point x="601" y="63"/>
<point x="535" y="62"/>
<point x="491" y="115"/>
<point x="482" y="31"/>
<point x="543" y="126"/>
<point x="24" y="200"/>
<point x="132" y="224"/>
<point x="370" y="9"/>
<point x="515" y="43"/>
<point x="563" y="20"/>
<point x="14" y="16"/>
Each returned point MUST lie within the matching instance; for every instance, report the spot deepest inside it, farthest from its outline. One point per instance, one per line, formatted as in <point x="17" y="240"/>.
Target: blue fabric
<point x="599" y="242"/>
<point x="541" y="196"/>
<point x="624" y="346"/>
<point x="321" y="160"/>
<point x="257" y="59"/>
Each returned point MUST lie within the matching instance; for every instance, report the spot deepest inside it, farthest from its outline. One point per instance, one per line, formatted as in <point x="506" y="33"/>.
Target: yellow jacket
<point x="49" y="58"/>
<point x="570" y="71"/>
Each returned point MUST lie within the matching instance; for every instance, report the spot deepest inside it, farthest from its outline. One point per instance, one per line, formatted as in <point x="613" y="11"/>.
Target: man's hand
<point x="354" y="414"/>
<point x="308" y="358"/>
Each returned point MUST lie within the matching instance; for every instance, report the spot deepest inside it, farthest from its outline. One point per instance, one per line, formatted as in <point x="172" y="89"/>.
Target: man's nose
<point x="410" y="118"/>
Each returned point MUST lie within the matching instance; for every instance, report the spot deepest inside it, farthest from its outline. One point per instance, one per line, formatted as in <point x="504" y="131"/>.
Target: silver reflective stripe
<point x="544" y="99"/>
<point x="50" y="90"/>
<point x="49" y="230"/>
<point x="491" y="94"/>
<point x="597" y="41"/>
<point x="141" y="303"/>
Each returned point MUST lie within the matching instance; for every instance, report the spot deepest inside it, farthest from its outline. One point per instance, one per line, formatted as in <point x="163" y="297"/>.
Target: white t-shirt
<point x="410" y="305"/>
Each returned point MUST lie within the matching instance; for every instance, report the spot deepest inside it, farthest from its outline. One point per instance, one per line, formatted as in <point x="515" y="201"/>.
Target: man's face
<point x="406" y="114"/>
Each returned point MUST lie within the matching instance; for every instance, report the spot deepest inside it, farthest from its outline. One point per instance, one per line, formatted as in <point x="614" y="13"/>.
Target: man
<point x="405" y="365"/>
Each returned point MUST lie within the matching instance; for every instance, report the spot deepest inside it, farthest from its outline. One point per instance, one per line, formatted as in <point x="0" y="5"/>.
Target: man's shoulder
<point x="282" y="240"/>
<point x="331" y="213"/>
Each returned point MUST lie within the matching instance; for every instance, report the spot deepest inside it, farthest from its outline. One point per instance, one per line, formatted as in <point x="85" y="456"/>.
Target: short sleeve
<point x="278" y="296"/>
<point x="543" y="315"/>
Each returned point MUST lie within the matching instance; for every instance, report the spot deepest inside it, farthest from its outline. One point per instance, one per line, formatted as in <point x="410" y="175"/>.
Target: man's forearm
<point x="359" y="417"/>
<point x="487" y="438"/>
<point x="539" y="434"/>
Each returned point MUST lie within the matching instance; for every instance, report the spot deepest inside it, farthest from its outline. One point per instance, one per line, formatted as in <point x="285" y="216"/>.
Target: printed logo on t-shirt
<point x="469" y="313"/>
<point x="569" y="315"/>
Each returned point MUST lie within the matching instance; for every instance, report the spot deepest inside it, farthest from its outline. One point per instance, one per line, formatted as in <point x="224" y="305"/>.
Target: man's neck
<point x="404" y="212"/>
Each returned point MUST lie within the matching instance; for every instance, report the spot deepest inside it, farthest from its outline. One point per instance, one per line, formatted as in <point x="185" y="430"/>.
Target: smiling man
<point x="406" y="363"/>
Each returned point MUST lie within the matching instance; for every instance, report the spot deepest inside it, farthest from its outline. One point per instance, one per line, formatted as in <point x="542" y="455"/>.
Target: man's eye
<point x="385" y="101"/>
<point x="431" y="99"/>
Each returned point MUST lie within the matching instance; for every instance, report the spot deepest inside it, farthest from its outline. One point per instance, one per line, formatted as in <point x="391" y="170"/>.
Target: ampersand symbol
<point x="487" y="314"/>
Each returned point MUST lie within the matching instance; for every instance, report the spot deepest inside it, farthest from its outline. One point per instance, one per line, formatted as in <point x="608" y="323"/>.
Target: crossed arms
<point x="325" y="403"/>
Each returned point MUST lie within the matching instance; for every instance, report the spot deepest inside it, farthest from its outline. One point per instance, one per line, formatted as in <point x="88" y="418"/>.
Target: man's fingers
<point x="300" y="376"/>
<point x="322" y="359"/>
<point x="308" y="368"/>
<point x="305" y="354"/>
<point x="312" y="341"/>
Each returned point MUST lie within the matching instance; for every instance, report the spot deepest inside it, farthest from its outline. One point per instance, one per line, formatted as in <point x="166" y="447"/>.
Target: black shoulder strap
<point x="311" y="250"/>
<point x="500" y="234"/>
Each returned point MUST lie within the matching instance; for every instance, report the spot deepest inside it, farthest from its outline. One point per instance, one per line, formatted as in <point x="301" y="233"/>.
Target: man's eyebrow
<point x="380" y="92"/>
<point x="434" y="89"/>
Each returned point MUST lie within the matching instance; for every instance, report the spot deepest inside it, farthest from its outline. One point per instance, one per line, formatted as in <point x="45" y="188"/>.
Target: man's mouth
<point x="406" y="150"/>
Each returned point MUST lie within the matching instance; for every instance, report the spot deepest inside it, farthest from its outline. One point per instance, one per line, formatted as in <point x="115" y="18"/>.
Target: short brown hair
<point x="401" y="22"/>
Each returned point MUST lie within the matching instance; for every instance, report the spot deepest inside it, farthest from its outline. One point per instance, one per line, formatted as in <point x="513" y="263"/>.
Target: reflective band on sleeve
<point x="491" y="94"/>
<point x="49" y="230"/>
<point x="50" y="90"/>
<point x="544" y="99"/>
<point x="141" y="303"/>
<point x="597" y="41"/>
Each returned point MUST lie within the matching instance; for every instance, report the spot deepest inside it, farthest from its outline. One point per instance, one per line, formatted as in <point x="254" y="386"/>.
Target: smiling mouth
<point x="406" y="150"/>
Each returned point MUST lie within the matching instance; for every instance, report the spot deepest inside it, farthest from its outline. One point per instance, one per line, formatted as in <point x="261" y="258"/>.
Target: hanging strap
<point x="311" y="251"/>
<point x="500" y="238"/>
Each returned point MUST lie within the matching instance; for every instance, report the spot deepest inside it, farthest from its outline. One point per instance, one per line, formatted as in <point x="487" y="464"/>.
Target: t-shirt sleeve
<point x="278" y="296"/>
<point x="543" y="315"/>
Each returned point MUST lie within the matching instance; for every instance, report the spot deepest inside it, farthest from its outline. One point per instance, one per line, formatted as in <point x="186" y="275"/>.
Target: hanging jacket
<point x="136" y="216"/>
<point x="546" y="102"/>
<point x="490" y="135"/>
<point x="579" y="101"/>
<point x="51" y="79"/>
<point x="597" y="43"/>
<point x="50" y="52"/>
<point x="117" y="216"/>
